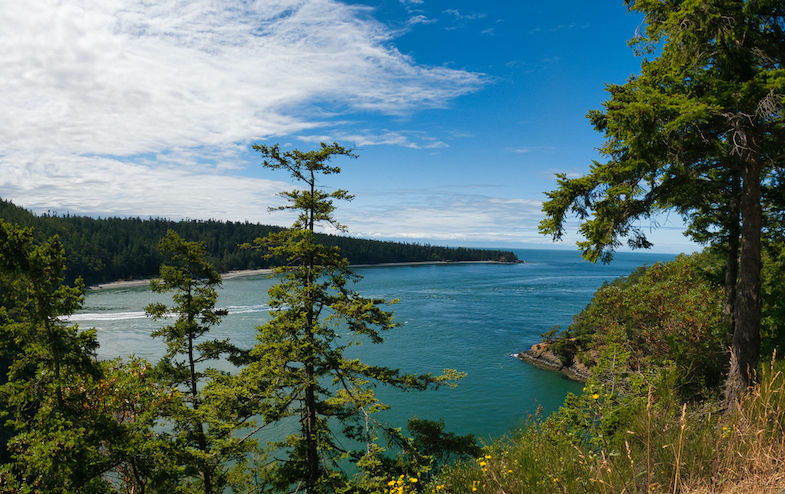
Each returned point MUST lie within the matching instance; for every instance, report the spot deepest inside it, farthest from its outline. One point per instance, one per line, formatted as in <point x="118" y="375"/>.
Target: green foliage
<point x="636" y="439"/>
<point x="77" y="423"/>
<point x="419" y="459"/>
<point x="698" y="132"/>
<point x="202" y="430"/>
<point x="668" y="312"/>
<point x="47" y="357"/>
<point x="549" y="336"/>
<point x="773" y="323"/>
<point x="429" y="439"/>
<point x="99" y="441"/>
<point x="298" y="366"/>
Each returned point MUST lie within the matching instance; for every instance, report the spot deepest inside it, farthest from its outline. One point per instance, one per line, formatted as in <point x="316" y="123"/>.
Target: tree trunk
<point x="311" y="436"/>
<point x="201" y="437"/>
<point x="732" y="259"/>
<point x="745" y="346"/>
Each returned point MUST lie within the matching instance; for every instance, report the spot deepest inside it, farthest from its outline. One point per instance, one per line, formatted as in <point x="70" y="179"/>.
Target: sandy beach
<point x="252" y="272"/>
<point x="131" y="283"/>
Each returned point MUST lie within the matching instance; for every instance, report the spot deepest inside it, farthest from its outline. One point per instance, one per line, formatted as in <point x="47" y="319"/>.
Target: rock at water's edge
<point x="540" y="356"/>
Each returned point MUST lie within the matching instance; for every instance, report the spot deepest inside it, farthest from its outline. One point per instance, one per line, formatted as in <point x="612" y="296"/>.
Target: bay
<point x="469" y="317"/>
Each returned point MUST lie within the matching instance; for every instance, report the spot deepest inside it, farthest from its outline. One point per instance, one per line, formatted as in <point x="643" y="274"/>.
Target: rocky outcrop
<point x="540" y="356"/>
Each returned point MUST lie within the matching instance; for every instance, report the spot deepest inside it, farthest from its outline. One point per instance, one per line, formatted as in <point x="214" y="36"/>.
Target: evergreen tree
<point x="700" y="131"/>
<point x="202" y="433"/>
<point x="47" y="356"/>
<point x="299" y="365"/>
<point x="77" y="423"/>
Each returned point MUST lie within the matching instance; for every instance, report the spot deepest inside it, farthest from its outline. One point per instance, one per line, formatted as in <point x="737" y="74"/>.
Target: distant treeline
<point x="108" y="249"/>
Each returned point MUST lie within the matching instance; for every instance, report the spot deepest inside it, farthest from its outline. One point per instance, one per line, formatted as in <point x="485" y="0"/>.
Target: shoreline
<point x="253" y="272"/>
<point x="135" y="283"/>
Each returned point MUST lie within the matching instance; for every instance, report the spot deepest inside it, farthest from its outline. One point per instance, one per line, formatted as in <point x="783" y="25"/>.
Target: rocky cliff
<point x="540" y="355"/>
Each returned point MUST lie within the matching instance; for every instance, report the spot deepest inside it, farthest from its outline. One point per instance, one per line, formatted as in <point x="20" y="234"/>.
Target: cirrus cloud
<point x="135" y="107"/>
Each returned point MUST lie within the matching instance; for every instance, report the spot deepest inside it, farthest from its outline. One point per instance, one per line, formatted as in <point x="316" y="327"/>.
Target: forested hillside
<point x="108" y="249"/>
<point x="651" y="417"/>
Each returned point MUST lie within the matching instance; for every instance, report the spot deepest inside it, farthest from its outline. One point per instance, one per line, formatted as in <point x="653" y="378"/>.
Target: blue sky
<point x="461" y="112"/>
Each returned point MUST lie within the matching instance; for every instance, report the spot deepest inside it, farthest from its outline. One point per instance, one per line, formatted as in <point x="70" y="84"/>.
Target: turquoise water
<point x="469" y="317"/>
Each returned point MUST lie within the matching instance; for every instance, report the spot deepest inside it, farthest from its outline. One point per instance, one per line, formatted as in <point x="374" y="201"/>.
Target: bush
<point x="608" y="442"/>
<point x="668" y="312"/>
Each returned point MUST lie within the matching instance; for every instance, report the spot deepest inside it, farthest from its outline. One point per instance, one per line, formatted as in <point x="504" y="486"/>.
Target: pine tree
<point x="700" y="131"/>
<point x="299" y="365"/>
<point x="77" y="422"/>
<point x="202" y="430"/>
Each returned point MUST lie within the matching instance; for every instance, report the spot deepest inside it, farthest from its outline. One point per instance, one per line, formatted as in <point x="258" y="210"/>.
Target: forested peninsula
<point x="101" y="250"/>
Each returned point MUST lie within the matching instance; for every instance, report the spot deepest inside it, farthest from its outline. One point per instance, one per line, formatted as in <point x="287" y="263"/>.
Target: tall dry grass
<point x="752" y="456"/>
<point x="671" y="448"/>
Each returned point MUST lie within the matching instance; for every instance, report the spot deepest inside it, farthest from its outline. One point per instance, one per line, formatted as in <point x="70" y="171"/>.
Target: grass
<point x="658" y="445"/>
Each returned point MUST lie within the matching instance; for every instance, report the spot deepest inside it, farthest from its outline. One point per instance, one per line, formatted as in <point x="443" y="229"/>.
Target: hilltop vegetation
<point x="109" y="249"/>
<point x="670" y="314"/>
<point x="652" y="416"/>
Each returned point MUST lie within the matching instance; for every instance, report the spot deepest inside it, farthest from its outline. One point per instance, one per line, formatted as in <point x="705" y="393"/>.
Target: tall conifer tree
<point x="79" y="423"/>
<point x="700" y="131"/>
<point x="202" y="431"/>
<point x="299" y="361"/>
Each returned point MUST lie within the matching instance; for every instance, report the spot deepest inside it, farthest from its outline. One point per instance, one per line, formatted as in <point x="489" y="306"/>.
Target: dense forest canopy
<point x="108" y="249"/>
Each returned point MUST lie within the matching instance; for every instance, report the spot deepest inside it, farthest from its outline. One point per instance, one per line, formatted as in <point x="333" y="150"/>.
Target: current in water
<point x="469" y="317"/>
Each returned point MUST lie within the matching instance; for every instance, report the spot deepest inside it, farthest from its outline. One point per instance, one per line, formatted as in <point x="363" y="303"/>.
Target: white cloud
<point x="146" y="108"/>
<point x="368" y="137"/>
<point x="120" y="188"/>
<point x="132" y="77"/>
<point x="523" y="150"/>
<point x="443" y="214"/>
<point x="420" y="19"/>
<point x="561" y="26"/>
<point x="460" y="16"/>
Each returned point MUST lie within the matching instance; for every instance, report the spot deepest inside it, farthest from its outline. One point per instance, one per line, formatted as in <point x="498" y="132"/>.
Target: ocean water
<point x="469" y="317"/>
